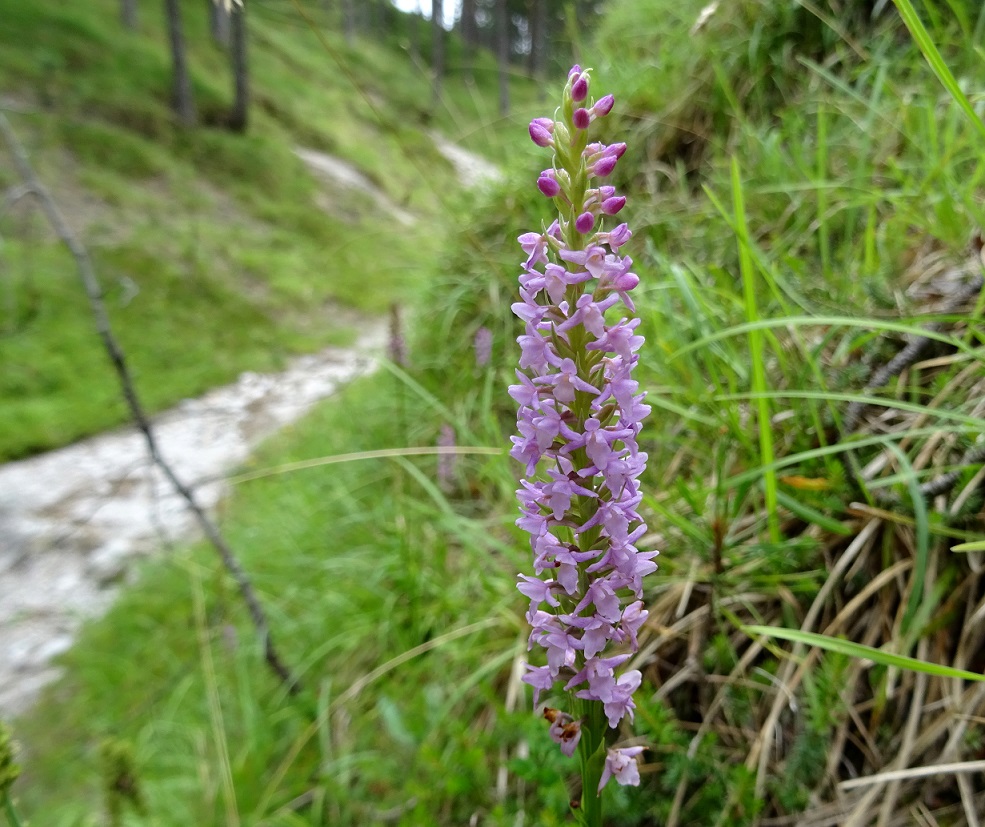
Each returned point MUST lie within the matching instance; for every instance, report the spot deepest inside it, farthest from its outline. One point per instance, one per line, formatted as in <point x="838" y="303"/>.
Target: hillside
<point x="218" y="252"/>
<point x="806" y="206"/>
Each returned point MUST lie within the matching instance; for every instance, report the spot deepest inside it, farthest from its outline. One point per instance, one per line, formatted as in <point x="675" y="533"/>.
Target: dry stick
<point x="915" y="348"/>
<point x="957" y="768"/>
<point x="117" y="357"/>
<point x="905" y="754"/>
<point x="944" y="483"/>
<point x="758" y="757"/>
<point x="755" y="647"/>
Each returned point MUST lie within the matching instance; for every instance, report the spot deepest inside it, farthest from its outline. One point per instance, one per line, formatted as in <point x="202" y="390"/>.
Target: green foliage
<point x="395" y="596"/>
<point x="235" y="255"/>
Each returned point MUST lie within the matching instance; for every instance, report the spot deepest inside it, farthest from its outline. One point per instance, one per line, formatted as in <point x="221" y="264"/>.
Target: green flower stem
<point x="8" y="808"/>
<point x="591" y="754"/>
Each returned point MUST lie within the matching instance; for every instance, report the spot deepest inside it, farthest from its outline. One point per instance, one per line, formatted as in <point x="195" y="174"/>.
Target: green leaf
<point x="926" y="44"/>
<point x="757" y="352"/>
<point x="857" y="650"/>
<point x="977" y="545"/>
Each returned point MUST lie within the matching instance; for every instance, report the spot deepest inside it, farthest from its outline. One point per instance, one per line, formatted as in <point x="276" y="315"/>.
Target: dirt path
<point x="73" y="521"/>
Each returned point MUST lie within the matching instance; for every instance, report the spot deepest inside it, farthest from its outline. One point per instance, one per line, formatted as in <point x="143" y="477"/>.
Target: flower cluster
<point x="580" y="413"/>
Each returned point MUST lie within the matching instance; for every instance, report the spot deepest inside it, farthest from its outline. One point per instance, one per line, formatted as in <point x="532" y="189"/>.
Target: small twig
<point x="912" y="772"/>
<point x="118" y="358"/>
<point x="909" y="355"/>
<point x="945" y="482"/>
<point x="13" y="195"/>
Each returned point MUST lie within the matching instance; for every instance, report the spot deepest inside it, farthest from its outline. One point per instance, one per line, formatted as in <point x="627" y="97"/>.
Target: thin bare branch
<point x="97" y="305"/>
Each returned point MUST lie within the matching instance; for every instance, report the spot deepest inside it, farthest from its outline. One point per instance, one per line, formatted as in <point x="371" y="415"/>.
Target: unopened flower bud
<point x="579" y="89"/>
<point x="585" y="222"/>
<point x="541" y="131"/>
<point x="603" y="106"/>
<point x="550" y="187"/>
<point x="612" y="205"/>
<point x="604" y="165"/>
<point x="581" y="119"/>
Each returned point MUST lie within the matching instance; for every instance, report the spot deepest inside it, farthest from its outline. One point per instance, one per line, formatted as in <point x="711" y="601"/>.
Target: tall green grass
<point x="395" y="594"/>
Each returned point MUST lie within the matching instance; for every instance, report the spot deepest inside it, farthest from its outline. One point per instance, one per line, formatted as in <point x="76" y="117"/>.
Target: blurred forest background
<point x="804" y="196"/>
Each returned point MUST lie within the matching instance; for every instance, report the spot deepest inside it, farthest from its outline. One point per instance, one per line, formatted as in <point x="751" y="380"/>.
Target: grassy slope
<point x="850" y="176"/>
<point x="218" y="252"/>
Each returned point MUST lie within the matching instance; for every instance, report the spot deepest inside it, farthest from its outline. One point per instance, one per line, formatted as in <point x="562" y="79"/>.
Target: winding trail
<point x="73" y="521"/>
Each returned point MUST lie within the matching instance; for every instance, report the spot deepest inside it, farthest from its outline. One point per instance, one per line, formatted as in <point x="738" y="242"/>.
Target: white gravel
<point x="73" y="521"/>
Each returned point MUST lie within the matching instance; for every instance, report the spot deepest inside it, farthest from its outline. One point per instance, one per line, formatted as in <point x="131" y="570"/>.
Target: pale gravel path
<point x="73" y="521"/>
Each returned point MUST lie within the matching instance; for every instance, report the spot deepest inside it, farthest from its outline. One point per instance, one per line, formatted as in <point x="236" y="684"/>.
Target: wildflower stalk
<point x="9" y="771"/>
<point x="10" y="812"/>
<point x="579" y="416"/>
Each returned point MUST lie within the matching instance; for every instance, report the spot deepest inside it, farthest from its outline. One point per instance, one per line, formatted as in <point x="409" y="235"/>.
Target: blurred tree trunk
<point x="182" y="97"/>
<point x="349" y="20"/>
<point x="503" y="54"/>
<point x="470" y="36"/>
<point x="219" y="22"/>
<point x="241" y="75"/>
<point x="128" y="14"/>
<point x="538" y="38"/>
<point x="437" y="50"/>
<point x="415" y="36"/>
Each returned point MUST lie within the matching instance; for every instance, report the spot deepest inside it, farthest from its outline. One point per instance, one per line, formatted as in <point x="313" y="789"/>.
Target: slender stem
<point x="8" y="807"/>
<point x="591" y="753"/>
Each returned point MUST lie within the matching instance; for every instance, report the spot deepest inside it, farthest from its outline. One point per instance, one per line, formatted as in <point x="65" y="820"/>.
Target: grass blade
<point x="857" y="650"/>
<point x="977" y="545"/>
<point x="756" y="353"/>
<point x="937" y="64"/>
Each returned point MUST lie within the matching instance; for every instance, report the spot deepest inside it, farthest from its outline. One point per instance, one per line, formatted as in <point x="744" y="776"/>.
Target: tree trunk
<point x="182" y="97"/>
<point x="469" y="34"/>
<point x="538" y="38"/>
<point x="241" y="76"/>
<point x="414" y="31"/>
<point x="437" y="50"/>
<point x="219" y="22"/>
<point x="128" y="14"/>
<point x="503" y="54"/>
<point x="349" y="20"/>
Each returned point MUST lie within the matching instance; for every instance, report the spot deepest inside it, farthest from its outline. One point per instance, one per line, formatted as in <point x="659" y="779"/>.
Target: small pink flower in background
<point x="482" y="345"/>
<point x="446" y="460"/>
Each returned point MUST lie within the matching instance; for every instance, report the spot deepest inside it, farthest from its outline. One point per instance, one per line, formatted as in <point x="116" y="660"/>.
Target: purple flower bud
<point x="612" y="205"/>
<point x="618" y="149"/>
<point x="541" y="131"/>
<point x="574" y="70"/>
<point x="604" y="165"/>
<point x="581" y="119"/>
<point x="585" y="222"/>
<point x="603" y="106"/>
<point x="482" y="344"/>
<point x="548" y="185"/>
<point x="579" y="89"/>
